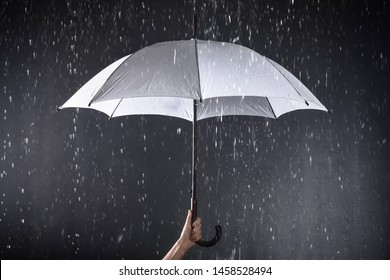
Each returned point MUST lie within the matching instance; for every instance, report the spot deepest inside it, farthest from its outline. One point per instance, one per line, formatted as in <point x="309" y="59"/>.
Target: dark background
<point x="310" y="185"/>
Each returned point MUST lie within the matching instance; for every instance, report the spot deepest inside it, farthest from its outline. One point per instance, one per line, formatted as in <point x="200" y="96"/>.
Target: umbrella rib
<point x="113" y="112"/>
<point x="272" y="109"/>
<point x="307" y="103"/>
<point x="95" y="96"/>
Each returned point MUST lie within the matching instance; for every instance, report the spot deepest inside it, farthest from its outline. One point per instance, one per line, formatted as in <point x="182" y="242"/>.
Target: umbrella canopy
<point x="165" y="78"/>
<point x="195" y="80"/>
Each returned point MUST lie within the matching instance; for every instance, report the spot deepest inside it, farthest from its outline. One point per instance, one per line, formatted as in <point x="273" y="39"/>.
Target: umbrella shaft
<point x="194" y="162"/>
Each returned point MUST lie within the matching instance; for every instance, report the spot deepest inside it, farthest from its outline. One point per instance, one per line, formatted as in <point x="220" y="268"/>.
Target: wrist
<point x="184" y="245"/>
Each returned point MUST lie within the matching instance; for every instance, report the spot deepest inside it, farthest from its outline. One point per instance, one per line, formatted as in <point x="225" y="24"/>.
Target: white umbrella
<point x="165" y="78"/>
<point x="195" y="80"/>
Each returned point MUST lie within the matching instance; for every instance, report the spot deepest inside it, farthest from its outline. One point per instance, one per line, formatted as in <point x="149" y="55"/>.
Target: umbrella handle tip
<point x="213" y="241"/>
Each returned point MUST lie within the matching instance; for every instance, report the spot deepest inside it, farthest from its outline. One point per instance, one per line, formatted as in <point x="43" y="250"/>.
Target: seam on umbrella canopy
<point x="304" y="92"/>
<point x="277" y="69"/>
<point x="98" y="91"/>
<point x="197" y="67"/>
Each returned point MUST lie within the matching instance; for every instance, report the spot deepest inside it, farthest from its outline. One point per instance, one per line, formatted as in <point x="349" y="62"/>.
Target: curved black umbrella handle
<point x="218" y="228"/>
<point x="213" y="241"/>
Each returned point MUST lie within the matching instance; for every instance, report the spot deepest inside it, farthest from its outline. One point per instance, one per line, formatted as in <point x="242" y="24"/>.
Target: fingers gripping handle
<point x="218" y="228"/>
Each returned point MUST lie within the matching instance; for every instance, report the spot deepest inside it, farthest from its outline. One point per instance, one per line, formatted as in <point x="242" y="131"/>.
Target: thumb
<point x="189" y="218"/>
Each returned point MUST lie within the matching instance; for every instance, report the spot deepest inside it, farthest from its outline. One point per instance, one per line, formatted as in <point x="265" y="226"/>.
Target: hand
<point x="190" y="234"/>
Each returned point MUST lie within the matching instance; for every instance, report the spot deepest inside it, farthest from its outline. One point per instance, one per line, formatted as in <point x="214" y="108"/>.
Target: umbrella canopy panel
<point x="166" y="69"/>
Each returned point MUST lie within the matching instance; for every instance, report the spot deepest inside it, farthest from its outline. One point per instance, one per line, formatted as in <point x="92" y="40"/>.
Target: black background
<point x="310" y="185"/>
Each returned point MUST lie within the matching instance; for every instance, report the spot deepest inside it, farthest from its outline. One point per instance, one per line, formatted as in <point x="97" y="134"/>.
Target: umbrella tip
<point x="59" y="109"/>
<point x="89" y="104"/>
<point x="307" y="103"/>
<point x="195" y="27"/>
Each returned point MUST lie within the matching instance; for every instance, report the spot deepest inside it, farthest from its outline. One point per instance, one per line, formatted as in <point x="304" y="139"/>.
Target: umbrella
<point x="194" y="80"/>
